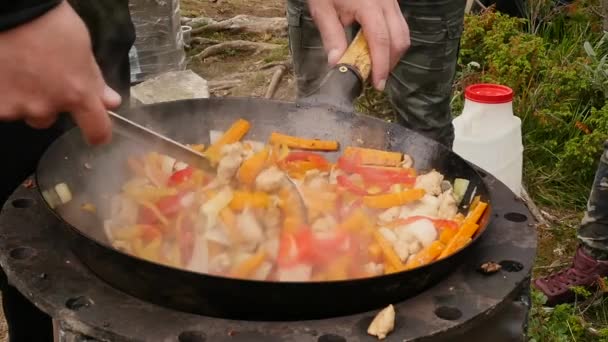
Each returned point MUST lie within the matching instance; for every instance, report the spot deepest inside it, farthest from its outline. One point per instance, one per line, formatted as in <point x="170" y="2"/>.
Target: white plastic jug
<point x="488" y="135"/>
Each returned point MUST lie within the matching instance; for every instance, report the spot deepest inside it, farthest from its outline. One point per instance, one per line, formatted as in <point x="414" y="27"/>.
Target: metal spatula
<point x="166" y="145"/>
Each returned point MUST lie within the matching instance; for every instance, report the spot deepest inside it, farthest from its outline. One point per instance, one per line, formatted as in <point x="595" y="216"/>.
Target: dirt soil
<point x="234" y="72"/>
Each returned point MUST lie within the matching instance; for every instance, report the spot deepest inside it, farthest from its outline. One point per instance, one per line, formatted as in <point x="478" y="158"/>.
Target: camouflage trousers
<point x="420" y="86"/>
<point x="593" y="233"/>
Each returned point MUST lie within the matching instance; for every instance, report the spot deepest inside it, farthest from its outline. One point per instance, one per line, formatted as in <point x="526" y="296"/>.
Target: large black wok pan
<point x="189" y="121"/>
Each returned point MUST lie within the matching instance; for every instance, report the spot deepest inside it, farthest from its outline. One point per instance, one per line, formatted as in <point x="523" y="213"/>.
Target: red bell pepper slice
<point x="376" y="175"/>
<point x="180" y="176"/>
<point x="146" y="216"/>
<point x="349" y="164"/>
<point x="185" y="239"/>
<point x="169" y="205"/>
<point x="288" y="253"/>
<point x="303" y="247"/>
<point x="150" y="232"/>
<point x="317" y="160"/>
<point x="346" y="183"/>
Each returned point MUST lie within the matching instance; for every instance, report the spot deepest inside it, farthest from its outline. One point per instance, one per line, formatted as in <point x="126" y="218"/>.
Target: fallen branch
<point x="238" y="45"/>
<point x="241" y="23"/>
<point x="204" y="41"/>
<point x="288" y="64"/>
<point x="275" y="81"/>
<point x="223" y="84"/>
<point x="533" y="208"/>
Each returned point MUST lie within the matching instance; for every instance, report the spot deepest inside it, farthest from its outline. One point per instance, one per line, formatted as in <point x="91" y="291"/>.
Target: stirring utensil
<point x="177" y="150"/>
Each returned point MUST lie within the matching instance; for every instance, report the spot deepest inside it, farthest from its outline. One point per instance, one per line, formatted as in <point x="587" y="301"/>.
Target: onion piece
<point x="64" y="193"/>
<point x="178" y="166"/>
<point x="211" y="209"/>
<point x="214" y="136"/>
<point x="167" y="164"/>
<point x="200" y="255"/>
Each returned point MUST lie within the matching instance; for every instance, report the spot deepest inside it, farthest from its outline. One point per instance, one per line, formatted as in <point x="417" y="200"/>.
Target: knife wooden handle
<point x="357" y="56"/>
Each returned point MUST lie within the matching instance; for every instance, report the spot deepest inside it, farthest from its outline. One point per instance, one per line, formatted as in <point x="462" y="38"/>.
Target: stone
<point x="170" y="86"/>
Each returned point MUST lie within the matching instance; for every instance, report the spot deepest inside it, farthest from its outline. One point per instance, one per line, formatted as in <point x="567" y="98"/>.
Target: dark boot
<point x="585" y="271"/>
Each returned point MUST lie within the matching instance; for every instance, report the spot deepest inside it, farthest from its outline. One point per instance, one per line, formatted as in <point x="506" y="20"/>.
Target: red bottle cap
<point x="489" y="93"/>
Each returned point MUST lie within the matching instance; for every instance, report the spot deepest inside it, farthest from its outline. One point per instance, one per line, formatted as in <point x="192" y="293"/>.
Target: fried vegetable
<point x="303" y="143"/>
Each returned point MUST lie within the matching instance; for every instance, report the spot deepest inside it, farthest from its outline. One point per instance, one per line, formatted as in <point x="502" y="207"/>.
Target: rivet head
<point x="343" y="69"/>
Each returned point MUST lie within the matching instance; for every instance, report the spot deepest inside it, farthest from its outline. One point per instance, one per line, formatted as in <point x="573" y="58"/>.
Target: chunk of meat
<point x="250" y="230"/>
<point x="383" y="323"/>
<point x="373" y="269"/>
<point x="430" y="182"/>
<point x="388" y="234"/>
<point x="316" y="179"/>
<point x="270" y="180"/>
<point x="427" y="206"/>
<point x="402" y="249"/>
<point x="232" y="157"/>
<point x="424" y="231"/>
<point x="272" y="217"/>
<point x="447" y="205"/>
<point x="389" y="215"/>
<point x="219" y="263"/>
<point x="407" y="162"/>
<point x="263" y="271"/>
<point x="326" y="223"/>
<point x="301" y="272"/>
<point x="271" y="247"/>
<point x="414" y="247"/>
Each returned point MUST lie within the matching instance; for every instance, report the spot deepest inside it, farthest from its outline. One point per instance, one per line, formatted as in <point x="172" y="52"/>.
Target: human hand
<point x="383" y="26"/>
<point x="48" y="67"/>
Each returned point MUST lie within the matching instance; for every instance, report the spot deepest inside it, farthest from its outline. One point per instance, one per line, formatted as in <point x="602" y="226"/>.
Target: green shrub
<point x="561" y="90"/>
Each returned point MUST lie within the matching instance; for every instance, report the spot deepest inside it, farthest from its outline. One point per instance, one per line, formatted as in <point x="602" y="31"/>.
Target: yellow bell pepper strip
<point x="303" y="143"/>
<point x="426" y="255"/>
<point x="446" y="235"/>
<point x="390" y="256"/>
<point x="249" y="266"/>
<point x="243" y="199"/>
<point x="466" y="231"/>
<point x="374" y="251"/>
<point x="147" y="192"/>
<point x="252" y="167"/>
<point x="375" y="157"/>
<point x="235" y="133"/>
<point x="462" y="237"/>
<point x="357" y="221"/>
<point x="386" y="201"/>
<point x="476" y="213"/>
<point x="127" y="233"/>
<point x="338" y="269"/>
